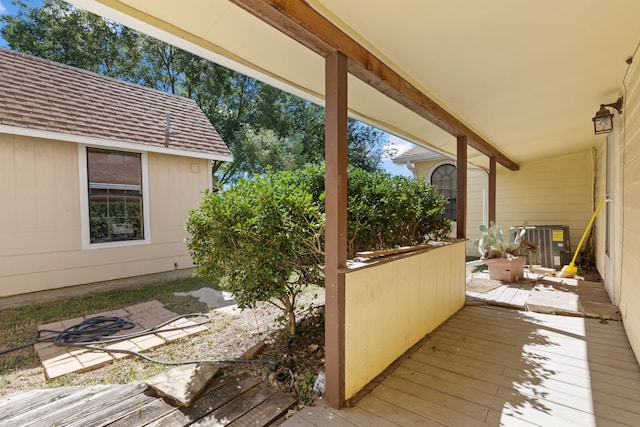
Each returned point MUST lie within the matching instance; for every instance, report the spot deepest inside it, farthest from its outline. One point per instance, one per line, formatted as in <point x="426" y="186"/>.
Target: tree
<point x="248" y="114"/>
<point x="62" y="33"/>
<point x="263" y="238"/>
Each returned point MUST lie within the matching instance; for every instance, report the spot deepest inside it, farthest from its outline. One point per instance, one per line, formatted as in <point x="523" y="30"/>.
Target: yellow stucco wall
<point x="40" y="224"/>
<point x="390" y="307"/>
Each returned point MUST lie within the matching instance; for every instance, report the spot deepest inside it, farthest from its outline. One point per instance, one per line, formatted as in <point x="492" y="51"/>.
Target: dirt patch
<point x="229" y="335"/>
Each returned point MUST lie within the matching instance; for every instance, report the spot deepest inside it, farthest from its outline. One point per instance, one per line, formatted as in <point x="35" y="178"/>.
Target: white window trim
<point x="433" y="169"/>
<point x="84" y="202"/>
<point x="437" y="165"/>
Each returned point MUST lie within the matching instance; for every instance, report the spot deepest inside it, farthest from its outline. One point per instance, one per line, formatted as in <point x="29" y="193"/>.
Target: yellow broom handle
<point x="584" y="236"/>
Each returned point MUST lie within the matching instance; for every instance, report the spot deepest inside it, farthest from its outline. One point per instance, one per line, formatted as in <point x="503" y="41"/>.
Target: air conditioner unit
<point x="553" y="244"/>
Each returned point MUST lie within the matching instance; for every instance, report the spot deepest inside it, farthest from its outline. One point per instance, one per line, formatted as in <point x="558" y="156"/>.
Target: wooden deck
<point x="495" y="366"/>
<point x="234" y="401"/>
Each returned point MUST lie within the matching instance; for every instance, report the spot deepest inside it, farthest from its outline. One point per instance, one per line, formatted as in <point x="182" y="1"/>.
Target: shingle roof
<point x="417" y="153"/>
<point x="40" y="94"/>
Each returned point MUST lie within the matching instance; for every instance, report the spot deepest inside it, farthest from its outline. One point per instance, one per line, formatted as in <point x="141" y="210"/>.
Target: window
<point x="114" y="181"/>
<point x="445" y="179"/>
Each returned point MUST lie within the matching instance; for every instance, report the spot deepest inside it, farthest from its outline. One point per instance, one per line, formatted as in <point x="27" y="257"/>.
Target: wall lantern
<point x="603" y="121"/>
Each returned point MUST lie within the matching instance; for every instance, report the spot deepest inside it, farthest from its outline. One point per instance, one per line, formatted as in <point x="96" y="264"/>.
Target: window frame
<point x="430" y="181"/>
<point x="84" y="200"/>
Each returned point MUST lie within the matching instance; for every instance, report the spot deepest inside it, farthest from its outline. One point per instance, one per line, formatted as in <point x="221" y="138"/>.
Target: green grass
<point x="20" y="325"/>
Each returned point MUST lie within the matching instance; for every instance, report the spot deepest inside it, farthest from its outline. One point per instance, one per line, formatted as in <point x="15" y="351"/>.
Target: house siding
<point x="40" y="224"/>
<point x="477" y="182"/>
<point x="556" y="191"/>
<point x="630" y="260"/>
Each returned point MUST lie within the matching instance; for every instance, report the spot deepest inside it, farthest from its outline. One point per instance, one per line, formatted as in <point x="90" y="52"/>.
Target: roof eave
<point x="112" y="143"/>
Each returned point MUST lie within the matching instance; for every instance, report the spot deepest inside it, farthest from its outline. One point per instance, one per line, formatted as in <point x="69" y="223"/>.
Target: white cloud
<point x="3" y="9"/>
<point x="399" y="144"/>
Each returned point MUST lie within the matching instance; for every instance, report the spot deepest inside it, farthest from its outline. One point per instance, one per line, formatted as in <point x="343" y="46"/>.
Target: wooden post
<point x="492" y="189"/>
<point x="461" y="190"/>
<point x="336" y="225"/>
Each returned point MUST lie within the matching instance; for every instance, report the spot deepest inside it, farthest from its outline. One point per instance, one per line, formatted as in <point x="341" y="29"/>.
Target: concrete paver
<point x="59" y="360"/>
<point x="545" y="294"/>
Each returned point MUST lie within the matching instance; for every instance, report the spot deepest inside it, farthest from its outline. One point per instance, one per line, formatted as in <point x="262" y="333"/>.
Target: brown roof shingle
<point x="40" y="94"/>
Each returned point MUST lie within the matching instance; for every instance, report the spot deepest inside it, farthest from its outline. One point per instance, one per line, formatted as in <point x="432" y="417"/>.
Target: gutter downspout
<point x="412" y="167"/>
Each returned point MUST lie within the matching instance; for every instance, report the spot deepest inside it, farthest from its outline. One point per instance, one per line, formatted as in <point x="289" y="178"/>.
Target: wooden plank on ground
<point x="360" y="417"/>
<point x="500" y="418"/>
<point x="118" y="409"/>
<point x="470" y="371"/>
<point x="449" y="376"/>
<point x="237" y="407"/>
<point x="72" y="398"/>
<point x="425" y="409"/>
<point x="93" y="408"/>
<point x="539" y="411"/>
<point x="469" y="330"/>
<point x="520" y="298"/>
<point x="318" y="417"/>
<point x="437" y="397"/>
<point x="266" y="412"/>
<point x="395" y="413"/>
<point x="458" y="388"/>
<point x="21" y="403"/>
<point x="509" y="294"/>
<point x="218" y="394"/>
<point x="441" y="351"/>
<point x="145" y="414"/>
<point x="529" y="357"/>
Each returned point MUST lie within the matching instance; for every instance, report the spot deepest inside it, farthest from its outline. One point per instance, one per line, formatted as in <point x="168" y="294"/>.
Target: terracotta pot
<point x="505" y="269"/>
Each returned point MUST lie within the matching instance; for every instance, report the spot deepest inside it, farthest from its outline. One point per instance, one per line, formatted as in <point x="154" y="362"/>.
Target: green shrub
<point x="387" y="211"/>
<point x="265" y="235"/>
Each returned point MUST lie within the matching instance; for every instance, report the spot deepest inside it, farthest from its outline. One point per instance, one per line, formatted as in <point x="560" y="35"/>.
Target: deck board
<point x="493" y="366"/>
<point x="267" y="412"/>
<point x="242" y="400"/>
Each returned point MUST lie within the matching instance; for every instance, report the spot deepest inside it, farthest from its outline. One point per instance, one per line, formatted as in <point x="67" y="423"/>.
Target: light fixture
<point x="603" y="121"/>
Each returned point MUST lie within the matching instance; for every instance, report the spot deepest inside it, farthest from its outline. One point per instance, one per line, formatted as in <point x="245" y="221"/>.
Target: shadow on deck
<point x="492" y="366"/>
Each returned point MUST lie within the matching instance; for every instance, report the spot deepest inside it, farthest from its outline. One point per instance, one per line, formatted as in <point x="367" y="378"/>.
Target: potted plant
<point x="504" y="257"/>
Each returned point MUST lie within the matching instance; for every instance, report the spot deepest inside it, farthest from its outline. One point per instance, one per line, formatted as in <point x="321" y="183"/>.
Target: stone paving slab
<point x="571" y="297"/>
<point x="58" y="361"/>
<point x="546" y="294"/>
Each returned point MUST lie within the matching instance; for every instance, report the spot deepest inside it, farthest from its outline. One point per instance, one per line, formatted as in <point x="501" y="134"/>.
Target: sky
<point x="401" y="146"/>
<point x="6" y="7"/>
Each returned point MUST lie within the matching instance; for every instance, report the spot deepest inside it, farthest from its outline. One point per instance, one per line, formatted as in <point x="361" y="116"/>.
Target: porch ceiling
<point x="527" y="76"/>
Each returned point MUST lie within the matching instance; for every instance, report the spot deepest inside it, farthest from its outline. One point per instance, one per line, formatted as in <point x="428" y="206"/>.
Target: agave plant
<point x="495" y="244"/>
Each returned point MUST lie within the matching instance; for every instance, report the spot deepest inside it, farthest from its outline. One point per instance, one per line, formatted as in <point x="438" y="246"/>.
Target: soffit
<point x="526" y="75"/>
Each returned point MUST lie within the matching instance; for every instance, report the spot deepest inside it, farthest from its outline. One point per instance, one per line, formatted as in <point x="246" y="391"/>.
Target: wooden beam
<point x="335" y="225"/>
<point x="492" y="190"/>
<point x="461" y="190"/>
<point x="304" y="24"/>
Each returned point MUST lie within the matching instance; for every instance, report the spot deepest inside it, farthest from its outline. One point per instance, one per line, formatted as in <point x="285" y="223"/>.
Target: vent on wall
<point x="553" y="244"/>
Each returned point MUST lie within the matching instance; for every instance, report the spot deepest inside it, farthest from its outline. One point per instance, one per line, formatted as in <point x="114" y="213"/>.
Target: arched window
<point x="445" y="179"/>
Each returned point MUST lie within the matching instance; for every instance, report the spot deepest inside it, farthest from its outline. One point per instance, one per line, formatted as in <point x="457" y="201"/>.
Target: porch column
<point x="461" y="196"/>
<point x="336" y="224"/>
<point x="492" y="189"/>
